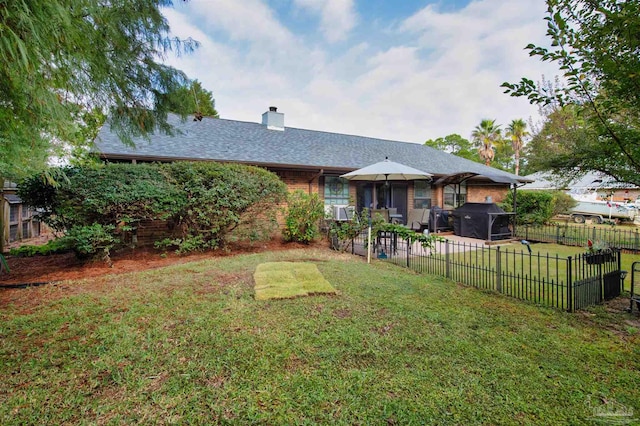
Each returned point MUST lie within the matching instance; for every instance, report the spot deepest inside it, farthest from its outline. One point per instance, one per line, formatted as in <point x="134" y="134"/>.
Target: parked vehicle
<point x="590" y="208"/>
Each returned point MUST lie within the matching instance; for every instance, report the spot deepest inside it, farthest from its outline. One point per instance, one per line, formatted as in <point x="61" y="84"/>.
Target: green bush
<point x="203" y="202"/>
<point x="92" y="241"/>
<point x="112" y="194"/>
<point x="563" y="203"/>
<point x="302" y="222"/>
<point x="221" y="199"/>
<point x="533" y="207"/>
<point x="342" y="233"/>
<point x="59" y="245"/>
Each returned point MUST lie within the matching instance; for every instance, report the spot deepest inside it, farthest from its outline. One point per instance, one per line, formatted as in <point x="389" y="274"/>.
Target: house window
<point x="455" y="195"/>
<point x="422" y="194"/>
<point x="336" y="190"/>
<point x="13" y="212"/>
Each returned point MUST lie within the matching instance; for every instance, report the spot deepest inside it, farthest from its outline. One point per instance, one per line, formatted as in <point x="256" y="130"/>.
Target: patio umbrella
<point x="384" y="171"/>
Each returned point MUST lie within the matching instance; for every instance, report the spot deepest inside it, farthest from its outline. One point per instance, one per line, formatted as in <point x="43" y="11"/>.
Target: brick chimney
<point x="273" y="119"/>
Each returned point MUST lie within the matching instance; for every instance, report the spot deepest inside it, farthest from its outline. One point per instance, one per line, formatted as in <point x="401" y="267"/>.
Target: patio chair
<point x="383" y="212"/>
<point x="394" y="217"/>
<point x="418" y="219"/>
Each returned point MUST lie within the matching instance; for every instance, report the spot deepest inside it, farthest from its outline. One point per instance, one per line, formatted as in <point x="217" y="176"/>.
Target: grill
<point x="485" y="221"/>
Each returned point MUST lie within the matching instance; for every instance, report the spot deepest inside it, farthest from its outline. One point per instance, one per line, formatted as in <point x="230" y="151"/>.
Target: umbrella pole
<point x="374" y="197"/>
<point x="369" y="243"/>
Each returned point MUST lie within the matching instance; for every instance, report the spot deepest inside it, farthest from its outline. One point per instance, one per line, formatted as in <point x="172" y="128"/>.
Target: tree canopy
<point x="456" y="145"/>
<point x="596" y="45"/>
<point x="197" y="101"/>
<point x="485" y="136"/>
<point x="517" y="131"/>
<point x="60" y="59"/>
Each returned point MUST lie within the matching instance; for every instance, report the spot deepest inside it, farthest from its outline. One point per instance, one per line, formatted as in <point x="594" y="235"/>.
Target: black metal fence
<point x="578" y="235"/>
<point x="567" y="283"/>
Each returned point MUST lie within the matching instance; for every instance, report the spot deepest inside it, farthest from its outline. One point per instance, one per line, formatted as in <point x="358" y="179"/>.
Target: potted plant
<point x="598" y="252"/>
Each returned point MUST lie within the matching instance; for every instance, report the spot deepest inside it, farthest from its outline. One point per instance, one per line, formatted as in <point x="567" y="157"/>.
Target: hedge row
<point x="203" y="202"/>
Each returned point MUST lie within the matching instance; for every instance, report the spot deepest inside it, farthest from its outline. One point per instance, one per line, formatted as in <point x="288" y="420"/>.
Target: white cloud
<point x="337" y="17"/>
<point x="438" y="73"/>
<point x="246" y="20"/>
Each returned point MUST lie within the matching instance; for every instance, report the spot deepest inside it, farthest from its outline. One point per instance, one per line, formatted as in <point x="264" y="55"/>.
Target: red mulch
<point x="60" y="267"/>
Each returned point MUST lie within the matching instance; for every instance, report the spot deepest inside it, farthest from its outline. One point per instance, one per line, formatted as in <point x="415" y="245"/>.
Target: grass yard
<point x="190" y="344"/>
<point x="537" y="266"/>
<point x="625" y="236"/>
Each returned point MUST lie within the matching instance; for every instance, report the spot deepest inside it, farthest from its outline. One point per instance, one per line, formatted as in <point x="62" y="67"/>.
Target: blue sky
<point x="403" y="70"/>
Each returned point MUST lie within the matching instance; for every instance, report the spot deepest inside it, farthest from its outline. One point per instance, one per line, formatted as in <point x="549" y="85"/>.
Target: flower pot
<point x="598" y="258"/>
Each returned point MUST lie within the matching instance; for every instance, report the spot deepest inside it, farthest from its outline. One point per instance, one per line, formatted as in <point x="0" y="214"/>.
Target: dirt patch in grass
<point x="342" y="313"/>
<point x="613" y="316"/>
<point x="55" y="269"/>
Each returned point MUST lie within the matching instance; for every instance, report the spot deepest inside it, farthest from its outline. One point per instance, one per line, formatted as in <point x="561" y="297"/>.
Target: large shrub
<point x="220" y="199"/>
<point x="202" y="202"/>
<point x="535" y="207"/>
<point x="119" y="195"/>
<point x="563" y="203"/>
<point x="302" y="222"/>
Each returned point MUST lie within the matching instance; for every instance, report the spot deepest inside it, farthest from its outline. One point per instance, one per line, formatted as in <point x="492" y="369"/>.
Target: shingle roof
<point x="590" y="181"/>
<point x="253" y="143"/>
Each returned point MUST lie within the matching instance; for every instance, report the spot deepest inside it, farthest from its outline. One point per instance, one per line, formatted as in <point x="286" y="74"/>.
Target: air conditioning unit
<point x="343" y="212"/>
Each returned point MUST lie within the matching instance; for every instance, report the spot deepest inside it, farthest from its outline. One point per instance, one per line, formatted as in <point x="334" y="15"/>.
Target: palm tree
<point x="517" y="131"/>
<point x="485" y="135"/>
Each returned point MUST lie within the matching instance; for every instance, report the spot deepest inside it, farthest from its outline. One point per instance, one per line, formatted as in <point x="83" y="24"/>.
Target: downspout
<point x="316" y="176"/>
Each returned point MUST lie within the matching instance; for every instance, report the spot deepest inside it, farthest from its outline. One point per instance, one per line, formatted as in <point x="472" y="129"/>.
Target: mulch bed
<point x="61" y="267"/>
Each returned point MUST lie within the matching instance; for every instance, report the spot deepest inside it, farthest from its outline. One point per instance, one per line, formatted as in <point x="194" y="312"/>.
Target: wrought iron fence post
<point x="636" y="246"/>
<point x="593" y="234"/>
<point x="558" y="233"/>
<point x="570" y="284"/>
<point x="498" y="270"/>
<point x="619" y="253"/>
<point x="408" y="252"/>
<point x="601" y="281"/>
<point x="526" y="232"/>
<point x="447" y="259"/>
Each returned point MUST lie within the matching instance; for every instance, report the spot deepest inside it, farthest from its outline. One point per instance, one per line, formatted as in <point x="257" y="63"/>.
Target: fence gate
<point x="595" y="278"/>
<point x="586" y="292"/>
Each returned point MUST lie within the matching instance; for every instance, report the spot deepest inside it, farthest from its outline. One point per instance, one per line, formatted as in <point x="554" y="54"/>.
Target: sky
<point x="403" y="70"/>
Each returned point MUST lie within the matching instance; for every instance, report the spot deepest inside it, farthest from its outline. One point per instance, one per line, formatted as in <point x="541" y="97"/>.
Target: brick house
<point x="313" y="161"/>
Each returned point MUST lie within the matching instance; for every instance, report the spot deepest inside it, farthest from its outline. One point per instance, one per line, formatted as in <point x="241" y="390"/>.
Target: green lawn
<point x="190" y="344"/>
<point x="625" y="236"/>
<point x="538" y="265"/>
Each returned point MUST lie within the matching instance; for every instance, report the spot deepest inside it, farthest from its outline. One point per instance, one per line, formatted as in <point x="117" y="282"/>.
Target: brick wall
<point x="479" y="193"/>
<point x="149" y="232"/>
<point x="437" y="195"/>
<point x="475" y="193"/>
<point x="300" y="181"/>
<point x="622" y="195"/>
